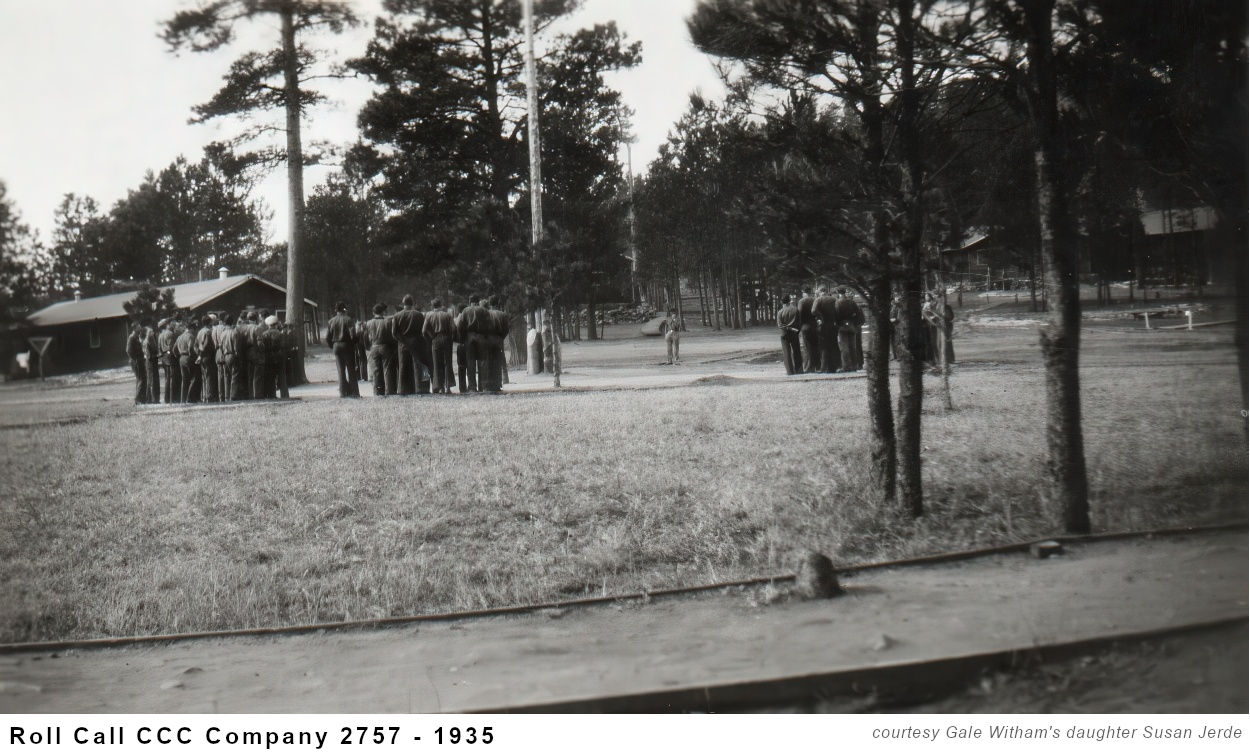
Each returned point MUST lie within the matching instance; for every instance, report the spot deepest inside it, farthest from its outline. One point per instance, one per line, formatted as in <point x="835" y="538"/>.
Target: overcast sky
<point x="92" y="98"/>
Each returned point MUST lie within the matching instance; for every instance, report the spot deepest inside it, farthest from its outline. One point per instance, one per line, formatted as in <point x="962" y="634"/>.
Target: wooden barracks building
<point x="90" y="334"/>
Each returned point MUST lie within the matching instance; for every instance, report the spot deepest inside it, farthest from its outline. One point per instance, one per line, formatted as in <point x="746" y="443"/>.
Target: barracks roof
<point x="186" y="295"/>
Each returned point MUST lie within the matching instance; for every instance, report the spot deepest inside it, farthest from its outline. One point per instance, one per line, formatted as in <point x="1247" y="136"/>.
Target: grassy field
<point x="132" y="523"/>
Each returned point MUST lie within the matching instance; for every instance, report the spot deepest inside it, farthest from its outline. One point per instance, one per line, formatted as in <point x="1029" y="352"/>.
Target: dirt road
<point x="887" y="617"/>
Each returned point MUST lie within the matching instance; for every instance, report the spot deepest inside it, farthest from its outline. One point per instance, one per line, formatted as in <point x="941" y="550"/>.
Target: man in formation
<point x="439" y="330"/>
<point x="788" y="324"/>
<point x="475" y="325"/>
<point x="342" y="338"/>
<point x="850" y="324"/>
<point x="207" y="348"/>
<point x="411" y="345"/>
<point x="138" y="362"/>
<point x="165" y="346"/>
<point x="825" y="310"/>
<point x="808" y="331"/>
<point x="381" y="347"/>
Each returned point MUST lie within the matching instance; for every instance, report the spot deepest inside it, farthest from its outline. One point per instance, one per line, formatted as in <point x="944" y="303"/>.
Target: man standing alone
<point x="672" y="336"/>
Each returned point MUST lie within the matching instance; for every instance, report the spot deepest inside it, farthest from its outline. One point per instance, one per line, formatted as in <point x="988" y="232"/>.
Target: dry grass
<point x="161" y="523"/>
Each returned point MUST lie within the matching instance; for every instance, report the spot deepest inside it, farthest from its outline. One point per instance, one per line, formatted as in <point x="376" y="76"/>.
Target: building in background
<point x="90" y="333"/>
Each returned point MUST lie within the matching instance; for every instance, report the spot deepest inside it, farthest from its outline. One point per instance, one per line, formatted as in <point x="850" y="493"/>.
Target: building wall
<point x="81" y="346"/>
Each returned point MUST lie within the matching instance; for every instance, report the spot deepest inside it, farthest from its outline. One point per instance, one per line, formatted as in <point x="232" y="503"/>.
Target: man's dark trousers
<point x="382" y="367"/>
<point x="440" y="355"/>
<point x="173" y="382"/>
<point x="848" y="336"/>
<point x="223" y="378"/>
<point x="154" y="381"/>
<point x="811" y="346"/>
<point x="345" y="360"/>
<point x="141" y="380"/>
<point x="790" y="351"/>
<point x="208" y="376"/>
<point x="412" y="367"/>
<point x="830" y="355"/>
<point x="492" y="374"/>
<point x="462" y="363"/>
<point x="190" y="378"/>
<point x="256" y="370"/>
<point x="232" y="377"/>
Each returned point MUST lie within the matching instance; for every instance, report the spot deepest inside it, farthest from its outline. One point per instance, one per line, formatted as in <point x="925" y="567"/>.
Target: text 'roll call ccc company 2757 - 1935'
<point x="267" y="738"/>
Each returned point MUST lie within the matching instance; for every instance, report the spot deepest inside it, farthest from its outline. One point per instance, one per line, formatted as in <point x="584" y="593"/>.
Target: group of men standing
<point x="410" y="352"/>
<point x="821" y="333"/>
<point x="214" y="359"/>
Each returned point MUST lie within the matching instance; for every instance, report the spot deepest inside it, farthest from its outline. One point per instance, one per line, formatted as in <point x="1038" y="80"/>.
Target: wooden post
<point x="536" y="176"/>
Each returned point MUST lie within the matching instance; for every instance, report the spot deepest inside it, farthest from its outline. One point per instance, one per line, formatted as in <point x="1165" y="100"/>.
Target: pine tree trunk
<point x="703" y="314"/>
<point x="911" y="358"/>
<point x="295" y="191"/>
<point x="881" y="444"/>
<point x="1066" y="484"/>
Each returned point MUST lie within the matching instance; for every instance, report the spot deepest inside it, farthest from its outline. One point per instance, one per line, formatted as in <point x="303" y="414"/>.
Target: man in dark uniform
<point x="850" y="332"/>
<point x="223" y="380"/>
<point x="165" y="345"/>
<point x="176" y="328"/>
<point x="151" y="357"/>
<point x="341" y="338"/>
<point x="138" y="362"/>
<point x="256" y="353"/>
<point x="184" y="348"/>
<point x="406" y="326"/>
<point x="497" y="326"/>
<point x="362" y="353"/>
<point x="273" y="341"/>
<point x="807" y="331"/>
<point x="788" y="323"/>
<point x="229" y="350"/>
<point x="475" y="322"/>
<point x="462" y="350"/>
<point x="381" y="346"/>
<point x="439" y="329"/>
<point x="825" y="309"/>
<point x="207" y="348"/>
<point x="243" y="341"/>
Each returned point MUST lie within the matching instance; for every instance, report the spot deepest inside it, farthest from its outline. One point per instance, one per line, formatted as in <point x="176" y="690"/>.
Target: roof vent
<point x="223" y="272"/>
<point x="78" y="294"/>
